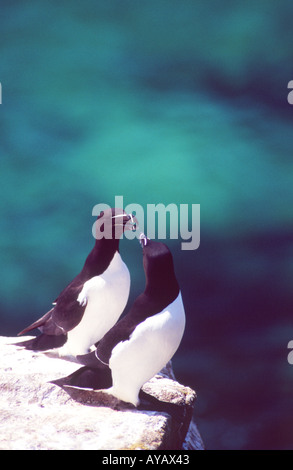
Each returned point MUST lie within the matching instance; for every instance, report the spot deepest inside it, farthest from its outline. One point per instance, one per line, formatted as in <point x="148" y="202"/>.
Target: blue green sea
<point x="181" y="102"/>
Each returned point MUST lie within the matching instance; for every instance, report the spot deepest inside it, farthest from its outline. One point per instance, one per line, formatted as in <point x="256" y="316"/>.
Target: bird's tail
<point x="37" y="323"/>
<point x="43" y="342"/>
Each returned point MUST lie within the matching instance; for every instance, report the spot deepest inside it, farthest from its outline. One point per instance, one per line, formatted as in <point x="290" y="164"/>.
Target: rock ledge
<point x="36" y="414"/>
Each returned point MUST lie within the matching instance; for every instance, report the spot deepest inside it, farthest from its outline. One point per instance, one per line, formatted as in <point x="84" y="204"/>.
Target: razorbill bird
<point x="94" y="300"/>
<point x="140" y="344"/>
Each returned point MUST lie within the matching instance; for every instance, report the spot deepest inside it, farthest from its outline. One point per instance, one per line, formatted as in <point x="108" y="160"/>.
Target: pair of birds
<point x="128" y="351"/>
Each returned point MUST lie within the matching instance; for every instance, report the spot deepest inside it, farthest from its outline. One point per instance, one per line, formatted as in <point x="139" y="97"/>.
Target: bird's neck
<point x="100" y="257"/>
<point x="163" y="290"/>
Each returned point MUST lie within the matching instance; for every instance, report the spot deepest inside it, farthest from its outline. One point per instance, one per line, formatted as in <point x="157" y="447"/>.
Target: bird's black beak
<point x="131" y="222"/>
<point x="143" y="240"/>
<point x="128" y="221"/>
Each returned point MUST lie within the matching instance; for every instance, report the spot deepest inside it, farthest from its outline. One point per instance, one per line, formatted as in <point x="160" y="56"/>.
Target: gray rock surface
<point x="36" y="414"/>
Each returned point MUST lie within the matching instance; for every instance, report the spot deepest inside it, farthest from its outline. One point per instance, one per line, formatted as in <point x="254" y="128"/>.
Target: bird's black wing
<point x="67" y="312"/>
<point x="63" y="317"/>
<point x="38" y="323"/>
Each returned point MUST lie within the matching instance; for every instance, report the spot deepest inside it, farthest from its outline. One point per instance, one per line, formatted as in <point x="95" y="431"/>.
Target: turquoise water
<point x="160" y="102"/>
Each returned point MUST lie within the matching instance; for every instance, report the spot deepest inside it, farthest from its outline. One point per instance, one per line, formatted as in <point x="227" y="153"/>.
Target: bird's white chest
<point x="163" y="330"/>
<point x="114" y="281"/>
<point x="105" y="297"/>
<point x="151" y="345"/>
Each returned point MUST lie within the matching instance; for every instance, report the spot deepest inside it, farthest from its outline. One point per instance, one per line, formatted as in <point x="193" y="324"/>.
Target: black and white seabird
<point x="141" y="343"/>
<point x="94" y="300"/>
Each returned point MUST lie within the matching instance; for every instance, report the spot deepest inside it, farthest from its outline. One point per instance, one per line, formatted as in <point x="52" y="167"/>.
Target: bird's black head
<point x="111" y="224"/>
<point x="159" y="267"/>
